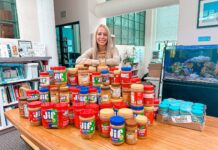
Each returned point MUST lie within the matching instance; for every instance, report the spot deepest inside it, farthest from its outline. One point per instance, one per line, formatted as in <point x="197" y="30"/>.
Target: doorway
<point x="68" y="43"/>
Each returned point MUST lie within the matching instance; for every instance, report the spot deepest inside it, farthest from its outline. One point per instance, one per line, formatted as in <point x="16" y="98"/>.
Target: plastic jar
<point x="163" y="109"/>
<point x="137" y="110"/>
<point x="98" y="93"/>
<point x="49" y="115"/>
<point x="149" y="95"/>
<point x="105" y="94"/>
<point x="60" y="75"/>
<point x="149" y="113"/>
<point x="63" y="114"/>
<point x="44" y="95"/>
<point x="75" y="94"/>
<point x="105" y="77"/>
<point x="32" y="93"/>
<point x="44" y="79"/>
<point x="131" y="131"/>
<point x="93" y="95"/>
<point x="77" y="107"/>
<point x="111" y="73"/>
<point x="137" y="93"/>
<point x="115" y="91"/>
<point x="83" y="76"/>
<point x="185" y="110"/>
<point x="87" y="123"/>
<point x="51" y="77"/>
<point x="126" y="93"/>
<point x="174" y="110"/>
<point x="71" y="115"/>
<point x="102" y="67"/>
<point x="126" y="74"/>
<point x="106" y="105"/>
<point x="118" y="106"/>
<point x="94" y="107"/>
<point x="91" y="71"/>
<point x="116" y="79"/>
<point x="136" y="80"/>
<point x="64" y="94"/>
<point x="84" y="95"/>
<point x="142" y="126"/>
<point x="198" y="115"/>
<point x="54" y="94"/>
<point x="117" y="131"/>
<point x="23" y="107"/>
<point x="72" y="77"/>
<point x="156" y="103"/>
<point x="126" y="113"/>
<point x="35" y="113"/>
<point x="104" y="125"/>
<point x="96" y="79"/>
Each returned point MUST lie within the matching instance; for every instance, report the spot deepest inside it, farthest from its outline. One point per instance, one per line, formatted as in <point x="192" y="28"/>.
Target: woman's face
<point x="102" y="36"/>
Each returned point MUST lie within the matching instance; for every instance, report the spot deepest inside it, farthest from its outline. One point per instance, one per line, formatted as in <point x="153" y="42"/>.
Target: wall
<point x="187" y="31"/>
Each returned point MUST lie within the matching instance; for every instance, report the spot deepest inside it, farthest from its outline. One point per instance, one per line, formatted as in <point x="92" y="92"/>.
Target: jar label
<point x="54" y="97"/>
<point x="35" y="116"/>
<point x="149" y="95"/>
<point x="84" y="98"/>
<point x="96" y="80"/>
<point x="60" y="77"/>
<point x="137" y="98"/>
<point x="105" y="79"/>
<point x="142" y="131"/>
<point x="104" y="98"/>
<point x="63" y="119"/>
<point x="115" y="92"/>
<point x="117" y="135"/>
<point x="87" y="127"/>
<point x="25" y="110"/>
<point x="84" y="78"/>
<point x="64" y="97"/>
<point x="125" y="75"/>
<point x="131" y="135"/>
<point x="75" y="97"/>
<point x="73" y="79"/>
<point x="93" y="98"/>
<point x="116" y="78"/>
<point x="105" y="127"/>
<point x="49" y="118"/>
<point x="44" y="97"/>
<point x="150" y="116"/>
<point x="44" y="81"/>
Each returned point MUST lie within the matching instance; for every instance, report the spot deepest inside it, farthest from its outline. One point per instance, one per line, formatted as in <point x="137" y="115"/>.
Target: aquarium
<point x="192" y="63"/>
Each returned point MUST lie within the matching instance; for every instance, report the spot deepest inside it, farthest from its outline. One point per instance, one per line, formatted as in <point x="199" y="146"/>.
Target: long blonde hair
<point x="109" y="46"/>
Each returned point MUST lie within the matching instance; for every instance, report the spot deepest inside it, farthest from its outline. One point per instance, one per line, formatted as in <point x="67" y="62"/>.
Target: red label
<point x="105" y="128"/>
<point x="75" y="97"/>
<point x="142" y="131"/>
<point x="63" y="118"/>
<point x="73" y="79"/>
<point x="150" y="116"/>
<point x="137" y="98"/>
<point x="116" y="79"/>
<point x="35" y="116"/>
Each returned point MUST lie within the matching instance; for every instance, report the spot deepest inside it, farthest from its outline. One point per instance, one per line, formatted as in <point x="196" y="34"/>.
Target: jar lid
<point x="72" y="70"/>
<point x="79" y="105"/>
<point x="98" y="88"/>
<point x="52" y="68"/>
<point x="34" y="104"/>
<point x="95" y="107"/>
<point x="43" y="73"/>
<point x="117" y="120"/>
<point x="86" y="113"/>
<point x="32" y="99"/>
<point x="54" y="89"/>
<point x="43" y="89"/>
<point x="135" y="80"/>
<point x="103" y="67"/>
<point x="92" y="90"/>
<point x="126" y="68"/>
<point x="74" y="89"/>
<point x="92" y="68"/>
<point x="116" y="100"/>
<point x="70" y="108"/>
<point x="126" y="85"/>
<point x="106" y="112"/>
<point x="64" y="88"/>
<point x="137" y="107"/>
<point x="106" y="105"/>
<point x="116" y="71"/>
<point x="198" y="104"/>
<point x="96" y="73"/>
<point x="104" y="71"/>
<point x="125" y="112"/>
<point x="84" y="91"/>
<point x="137" y="86"/>
<point x="120" y="105"/>
<point x="198" y="112"/>
<point x="149" y="108"/>
<point x="141" y="119"/>
<point x="23" y="98"/>
<point x="163" y="106"/>
<point x="113" y="69"/>
<point x="77" y="111"/>
<point x="156" y="101"/>
<point x="47" y="105"/>
<point x="62" y="105"/>
<point x="29" y="92"/>
<point x="105" y="88"/>
<point x="131" y="122"/>
<point x="148" y="87"/>
<point x="174" y="108"/>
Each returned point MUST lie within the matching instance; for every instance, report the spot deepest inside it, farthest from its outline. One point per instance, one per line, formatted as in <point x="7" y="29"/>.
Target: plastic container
<point x="137" y="110"/>
<point x="156" y="106"/>
<point x="34" y="109"/>
<point x="98" y="93"/>
<point x="31" y="70"/>
<point x="84" y="95"/>
<point x="91" y="71"/>
<point x="49" y="115"/>
<point x="174" y="110"/>
<point x="64" y="94"/>
<point x="126" y="74"/>
<point x="60" y="75"/>
<point x="96" y="79"/>
<point x="32" y="93"/>
<point x="115" y="91"/>
<point x="118" y="106"/>
<point x="94" y="107"/>
<point x="75" y="94"/>
<point x="117" y="132"/>
<point x="149" y="95"/>
<point x="72" y="76"/>
<point x="198" y="116"/>
<point x="111" y="74"/>
<point x="104" y="125"/>
<point x="44" y="95"/>
<point x="63" y="114"/>
<point x="77" y="107"/>
<point x="54" y="94"/>
<point x="126" y="93"/>
<point x="105" y="94"/>
<point x="87" y="123"/>
<point x="137" y="94"/>
<point x="51" y="77"/>
<point x="126" y="113"/>
<point x="131" y="131"/>
<point x="163" y="109"/>
<point x="44" y="79"/>
<point x="116" y="79"/>
<point x="105" y="77"/>
<point x="149" y="113"/>
<point x="23" y="107"/>
<point x="83" y="76"/>
<point x="93" y="95"/>
<point x="142" y="126"/>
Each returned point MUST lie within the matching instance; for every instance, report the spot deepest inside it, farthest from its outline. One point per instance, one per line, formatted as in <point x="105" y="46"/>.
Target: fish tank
<point x="197" y="63"/>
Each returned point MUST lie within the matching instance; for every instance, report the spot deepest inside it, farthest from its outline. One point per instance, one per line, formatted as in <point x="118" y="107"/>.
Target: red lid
<point x="135" y="80"/>
<point x="96" y="73"/>
<point x="126" y="85"/>
<point x="106" y="105"/>
<point x="92" y="90"/>
<point x="86" y="113"/>
<point x="79" y="105"/>
<point x="58" y="68"/>
<point x="47" y="105"/>
<point x="34" y="104"/>
<point x="95" y="107"/>
<point x="77" y="111"/>
<point x="125" y="80"/>
<point x="112" y="69"/>
<point x="52" y="68"/>
<point x="120" y="105"/>
<point x="43" y="73"/>
<point x="62" y="105"/>
<point x="73" y="89"/>
<point x="70" y="108"/>
<point x="156" y="101"/>
<point x="29" y="92"/>
<point x="148" y="87"/>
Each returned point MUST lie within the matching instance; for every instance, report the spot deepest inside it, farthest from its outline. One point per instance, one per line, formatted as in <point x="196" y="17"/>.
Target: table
<point x="160" y="137"/>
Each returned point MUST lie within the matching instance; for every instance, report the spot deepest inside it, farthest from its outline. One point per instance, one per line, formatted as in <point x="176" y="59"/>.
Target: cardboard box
<point x="154" y="70"/>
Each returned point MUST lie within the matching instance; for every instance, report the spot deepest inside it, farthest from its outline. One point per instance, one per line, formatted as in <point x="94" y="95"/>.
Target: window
<point x="129" y="29"/>
<point x="8" y="19"/>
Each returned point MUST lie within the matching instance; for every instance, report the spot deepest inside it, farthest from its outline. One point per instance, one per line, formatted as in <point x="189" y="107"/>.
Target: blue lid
<point x="174" y="108"/>
<point x="198" y="104"/>
<point x="84" y="91"/>
<point x="137" y="107"/>
<point x="43" y="89"/>
<point x="117" y="120"/>
<point x="175" y="104"/>
<point x="126" y="68"/>
<point x="50" y="71"/>
<point x="98" y="88"/>
<point x="163" y="105"/>
<point x="185" y="109"/>
<point x="197" y="112"/>
<point x="198" y="107"/>
<point x="104" y="71"/>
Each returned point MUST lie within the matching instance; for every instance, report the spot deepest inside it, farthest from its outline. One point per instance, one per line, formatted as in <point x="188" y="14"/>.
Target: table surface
<point x="160" y="136"/>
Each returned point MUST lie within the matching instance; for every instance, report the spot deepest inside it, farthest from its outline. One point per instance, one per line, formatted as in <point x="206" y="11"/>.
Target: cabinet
<point x="14" y="74"/>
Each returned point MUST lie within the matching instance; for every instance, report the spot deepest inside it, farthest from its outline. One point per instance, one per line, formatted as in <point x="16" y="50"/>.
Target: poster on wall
<point x="24" y="48"/>
<point x="207" y="13"/>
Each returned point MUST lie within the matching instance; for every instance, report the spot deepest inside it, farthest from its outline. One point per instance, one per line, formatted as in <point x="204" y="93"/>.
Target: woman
<point x="103" y="51"/>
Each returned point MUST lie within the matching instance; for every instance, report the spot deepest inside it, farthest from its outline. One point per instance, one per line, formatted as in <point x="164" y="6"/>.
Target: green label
<point x="60" y="76"/>
<point x="117" y="135"/>
<point x="87" y="127"/>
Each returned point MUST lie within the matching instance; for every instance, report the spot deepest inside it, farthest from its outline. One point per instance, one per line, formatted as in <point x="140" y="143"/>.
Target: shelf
<point x="17" y="81"/>
<point x="22" y="59"/>
<point x="9" y="104"/>
<point x="3" y="128"/>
